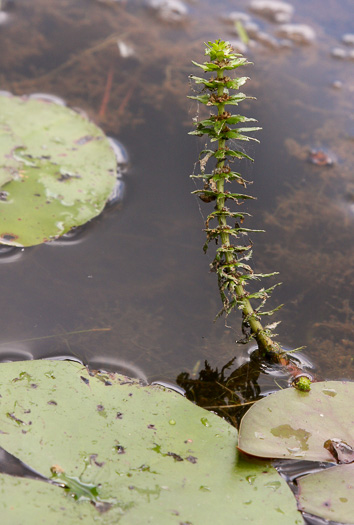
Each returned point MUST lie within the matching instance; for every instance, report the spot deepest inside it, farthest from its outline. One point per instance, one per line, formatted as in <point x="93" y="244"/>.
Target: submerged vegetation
<point x="232" y="259"/>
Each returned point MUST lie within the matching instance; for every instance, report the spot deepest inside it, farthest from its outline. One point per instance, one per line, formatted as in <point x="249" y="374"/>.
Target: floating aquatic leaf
<point x="126" y="454"/>
<point x="315" y="425"/>
<point x="57" y="170"/>
<point x="300" y="424"/>
<point x="329" y="494"/>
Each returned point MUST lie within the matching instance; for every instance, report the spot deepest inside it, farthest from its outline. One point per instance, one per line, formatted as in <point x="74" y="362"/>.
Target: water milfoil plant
<point x="224" y="225"/>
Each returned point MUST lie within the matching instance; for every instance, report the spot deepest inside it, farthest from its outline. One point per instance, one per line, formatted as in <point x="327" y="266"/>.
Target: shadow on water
<point x="134" y="289"/>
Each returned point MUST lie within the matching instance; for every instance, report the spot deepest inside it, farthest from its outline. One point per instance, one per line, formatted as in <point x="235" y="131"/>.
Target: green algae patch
<point x="131" y="466"/>
<point x="57" y="170"/>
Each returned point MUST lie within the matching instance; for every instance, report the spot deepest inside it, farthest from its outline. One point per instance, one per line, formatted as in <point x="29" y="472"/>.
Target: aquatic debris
<point x="112" y="2"/>
<point x="340" y="450"/>
<point x="4" y="17"/>
<point x="274" y="10"/>
<point x="339" y="52"/>
<point x="255" y="34"/>
<point x="348" y="39"/>
<point x="320" y="158"/>
<point x="236" y="16"/>
<point x="107" y="93"/>
<point x="125" y="50"/>
<point x="239" y="46"/>
<point x="342" y="53"/>
<point x="266" y="39"/>
<point x="169" y="10"/>
<point x="252" y="29"/>
<point x="298" y="33"/>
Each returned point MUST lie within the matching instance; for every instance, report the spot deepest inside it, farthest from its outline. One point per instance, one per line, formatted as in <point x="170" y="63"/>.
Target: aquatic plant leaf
<point x="32" y="502"/>
<point x="329" y="494"/>
<point x="145" y="453"/>
<point x="57" y="170"/>
<point x="301" y="425"/>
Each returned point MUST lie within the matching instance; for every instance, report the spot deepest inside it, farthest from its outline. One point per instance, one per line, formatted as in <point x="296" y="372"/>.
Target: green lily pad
<point x="125" y="453"/>
<point x="329" y="494"/>
<point x="316" y="425"/>
<point x="57" y="170"/>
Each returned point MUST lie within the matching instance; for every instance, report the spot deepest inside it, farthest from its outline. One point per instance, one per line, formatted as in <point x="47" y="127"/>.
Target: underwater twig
<point x="231" y="406"/>
<point x="107" y="93"/>
<point x="231" y="262"/>
<point x="56" y="335"/>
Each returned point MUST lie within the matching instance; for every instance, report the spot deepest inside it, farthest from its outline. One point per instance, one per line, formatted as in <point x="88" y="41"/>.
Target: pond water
<point x="133" y="291"/>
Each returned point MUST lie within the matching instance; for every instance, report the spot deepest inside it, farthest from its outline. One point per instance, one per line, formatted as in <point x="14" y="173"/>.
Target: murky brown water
<point x="139" y="272"/>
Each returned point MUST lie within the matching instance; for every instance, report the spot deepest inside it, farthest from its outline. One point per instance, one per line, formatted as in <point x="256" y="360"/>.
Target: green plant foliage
<point x="315" y="426"/>
<point x="329" y="494"/>
<point x="57" y="170"/>
<point x="234" y="247"/>
<point x="125" y="453"/>
<point x="302" y="383"/>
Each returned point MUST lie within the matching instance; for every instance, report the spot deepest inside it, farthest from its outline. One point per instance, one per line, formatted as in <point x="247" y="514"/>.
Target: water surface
<point x="137" y="286"/>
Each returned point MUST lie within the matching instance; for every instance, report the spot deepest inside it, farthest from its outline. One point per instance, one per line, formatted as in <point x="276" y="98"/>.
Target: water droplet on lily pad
<point x="329" y="392"/>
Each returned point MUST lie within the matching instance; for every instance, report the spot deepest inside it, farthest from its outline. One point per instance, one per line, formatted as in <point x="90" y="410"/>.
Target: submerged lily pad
<point x="57" y="170"/>
<point x="302" y="425"/>
<point x="125" y="453"/>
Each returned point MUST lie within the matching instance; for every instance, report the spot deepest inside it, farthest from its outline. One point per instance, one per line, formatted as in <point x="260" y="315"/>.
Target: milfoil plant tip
<point x="224" y="226"/>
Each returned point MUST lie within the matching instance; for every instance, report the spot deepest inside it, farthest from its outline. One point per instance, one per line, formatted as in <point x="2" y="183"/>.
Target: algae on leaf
<point x="145" y="454"/>
<point x="57" y="170"/>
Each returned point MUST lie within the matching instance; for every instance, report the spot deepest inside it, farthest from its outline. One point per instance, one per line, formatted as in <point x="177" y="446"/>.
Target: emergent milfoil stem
<point x="222" y="58"/>
<point x="265" y="343"/>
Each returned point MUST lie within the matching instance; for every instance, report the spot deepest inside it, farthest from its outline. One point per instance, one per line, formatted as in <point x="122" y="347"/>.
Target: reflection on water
<point x="135" y="287"/>
<point x="232" y="389"/>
